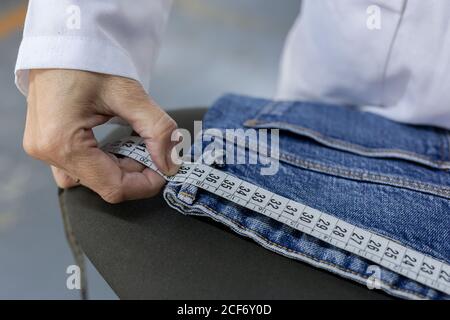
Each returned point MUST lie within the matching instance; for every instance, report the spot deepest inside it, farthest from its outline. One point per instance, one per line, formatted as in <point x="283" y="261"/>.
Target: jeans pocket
<point x="362" y="133"/>
<point x="345" y="142"/>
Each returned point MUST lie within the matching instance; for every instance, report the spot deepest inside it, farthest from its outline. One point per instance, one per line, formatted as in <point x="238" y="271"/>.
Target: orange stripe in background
<point x="12" y="20"/>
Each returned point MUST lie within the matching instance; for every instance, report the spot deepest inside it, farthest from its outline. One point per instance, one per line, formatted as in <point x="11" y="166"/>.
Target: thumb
<point x="127" y="99"/>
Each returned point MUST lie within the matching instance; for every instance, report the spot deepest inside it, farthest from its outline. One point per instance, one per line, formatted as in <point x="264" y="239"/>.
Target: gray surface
<point x="146" y="250"/>
<point x="210" y="47"/>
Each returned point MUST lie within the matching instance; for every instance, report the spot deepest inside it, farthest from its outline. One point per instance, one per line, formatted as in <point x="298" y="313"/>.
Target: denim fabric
<point x="386" y="177"/>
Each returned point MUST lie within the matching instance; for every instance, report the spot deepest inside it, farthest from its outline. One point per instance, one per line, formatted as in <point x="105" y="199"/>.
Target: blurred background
<point x="210" y="47"/>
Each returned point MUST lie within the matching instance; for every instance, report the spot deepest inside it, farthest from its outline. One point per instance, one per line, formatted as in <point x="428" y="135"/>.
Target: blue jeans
<point x="386" y="177"/>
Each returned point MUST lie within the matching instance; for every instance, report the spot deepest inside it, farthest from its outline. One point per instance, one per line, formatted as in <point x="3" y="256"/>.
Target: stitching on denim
<point x="366" y="176"/>
<point x="358" y="174"/>
<point x="193" y="197"/>
<point x="187" y="195"/>
<point x="361" y="175"/>
<point x="447" y="143"/>
<point x="266" y="108"/>
<point x="301" y="253"/>
<point x="354" y="147"/>
<point x="441" y="146"/>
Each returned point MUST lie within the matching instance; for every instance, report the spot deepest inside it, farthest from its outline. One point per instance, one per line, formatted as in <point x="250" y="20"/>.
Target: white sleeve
<point x="118" y="37"/>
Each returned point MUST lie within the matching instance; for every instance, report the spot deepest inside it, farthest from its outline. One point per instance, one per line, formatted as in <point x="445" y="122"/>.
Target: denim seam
<point x="266" y="109"/>
<point x="361" y="175"/>
<point x="447" y="144"/>
<point x="366" y="176"/>
<point x="433" y="254"/>
<point x="335" y="142"/>
<point x="441" y="148"/>
<point x="303" y="254"/>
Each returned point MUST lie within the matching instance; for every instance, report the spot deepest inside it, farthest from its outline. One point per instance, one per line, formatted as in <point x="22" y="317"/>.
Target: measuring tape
<point x="381" y="250"/>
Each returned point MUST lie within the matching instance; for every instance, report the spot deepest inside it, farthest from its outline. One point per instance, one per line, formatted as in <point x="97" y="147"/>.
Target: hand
<point x="64" y="106"/>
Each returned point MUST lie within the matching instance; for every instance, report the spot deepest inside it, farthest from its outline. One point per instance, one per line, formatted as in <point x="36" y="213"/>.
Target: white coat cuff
<point x="53" y="52"/>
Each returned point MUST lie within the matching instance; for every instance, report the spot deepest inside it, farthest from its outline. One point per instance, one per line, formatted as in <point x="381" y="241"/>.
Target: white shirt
<point x="391" y="57"/>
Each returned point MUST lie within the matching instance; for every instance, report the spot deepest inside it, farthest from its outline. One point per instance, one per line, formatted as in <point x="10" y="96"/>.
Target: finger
<point x="129" y="101"/>
<point x="127" y="164"/>
<point x="63" y="179"/>
<point x="152" y="178"/>
<point x="101" y="173"/>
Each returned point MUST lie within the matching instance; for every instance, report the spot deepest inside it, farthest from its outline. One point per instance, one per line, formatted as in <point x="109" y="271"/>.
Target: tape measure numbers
<point x="385" y="252"/>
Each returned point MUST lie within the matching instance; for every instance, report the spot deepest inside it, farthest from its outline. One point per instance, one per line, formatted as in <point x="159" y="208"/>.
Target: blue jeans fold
<point x="385" y="177"/>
